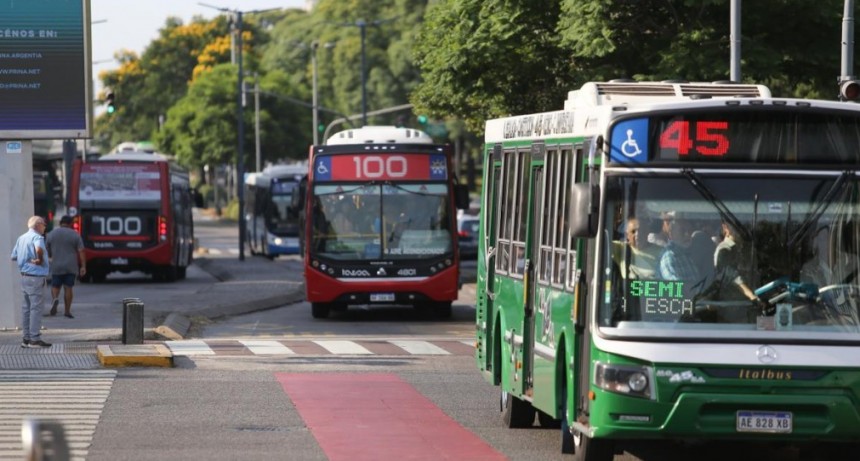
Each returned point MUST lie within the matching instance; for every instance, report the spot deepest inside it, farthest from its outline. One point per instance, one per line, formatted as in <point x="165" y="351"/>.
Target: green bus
<point x="673" y="261"/>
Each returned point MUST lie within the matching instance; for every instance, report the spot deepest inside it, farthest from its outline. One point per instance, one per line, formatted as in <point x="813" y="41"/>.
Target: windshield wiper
<point x="721" y="207"/>
<point x="821" y="206"/>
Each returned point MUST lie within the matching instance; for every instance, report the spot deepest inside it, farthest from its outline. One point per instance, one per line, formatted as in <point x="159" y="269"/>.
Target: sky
<point x="133" y="24"/>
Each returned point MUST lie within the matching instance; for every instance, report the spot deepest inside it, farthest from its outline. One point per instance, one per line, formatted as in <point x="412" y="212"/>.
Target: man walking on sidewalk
<point x="31" y="256"/>
<point x="68" y="261"/>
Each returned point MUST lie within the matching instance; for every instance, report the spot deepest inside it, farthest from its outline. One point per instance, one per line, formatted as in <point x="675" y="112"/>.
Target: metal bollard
<point x="132" y="321"/>
<point x="44" y="440"/>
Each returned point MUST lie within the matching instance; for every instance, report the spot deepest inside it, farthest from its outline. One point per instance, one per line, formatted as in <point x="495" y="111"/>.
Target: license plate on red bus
<point x="381" y="297"/>
<point x="764" y="421"/>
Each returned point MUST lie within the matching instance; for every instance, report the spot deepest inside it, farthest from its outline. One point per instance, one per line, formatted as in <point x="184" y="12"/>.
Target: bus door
<point x="487" y="251"/>
<point x="530" y="279"/>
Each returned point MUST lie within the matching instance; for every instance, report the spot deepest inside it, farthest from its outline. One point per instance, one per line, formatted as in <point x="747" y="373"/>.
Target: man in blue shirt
<point x="31" y="256"/>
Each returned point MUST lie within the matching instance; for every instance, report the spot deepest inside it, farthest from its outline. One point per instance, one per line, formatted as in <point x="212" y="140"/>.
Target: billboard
<point x="45" y="69"/>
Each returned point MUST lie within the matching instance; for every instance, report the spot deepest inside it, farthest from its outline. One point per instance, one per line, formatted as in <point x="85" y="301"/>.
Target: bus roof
<point x="264" y="178"/>
<point x="630" y="92"/>
<point x="379" y="135"/>
<point x="135" y="156"/>
<point x="588" y="109"/>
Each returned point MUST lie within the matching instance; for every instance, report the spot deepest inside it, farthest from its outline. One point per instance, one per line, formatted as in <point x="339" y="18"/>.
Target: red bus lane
<point x="378" y="416"/>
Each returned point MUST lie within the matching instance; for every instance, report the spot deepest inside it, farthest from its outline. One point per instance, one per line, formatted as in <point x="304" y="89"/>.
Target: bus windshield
<point x="373" y="222"/>
<point x="280" y="215"/>
<point x="732" y="256"/>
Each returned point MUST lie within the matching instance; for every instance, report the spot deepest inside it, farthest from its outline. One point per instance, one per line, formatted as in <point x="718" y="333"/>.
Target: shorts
<point x="63" y="279"/>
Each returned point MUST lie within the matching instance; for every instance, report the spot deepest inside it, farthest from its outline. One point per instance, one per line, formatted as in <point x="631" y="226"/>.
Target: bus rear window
<point x="120" y="181"/>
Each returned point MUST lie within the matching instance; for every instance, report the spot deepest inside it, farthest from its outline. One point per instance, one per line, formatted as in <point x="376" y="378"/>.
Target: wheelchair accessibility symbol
<point x="629" y="147"/>
<point x="629" y="141"/>
<point x="321" y="168"/>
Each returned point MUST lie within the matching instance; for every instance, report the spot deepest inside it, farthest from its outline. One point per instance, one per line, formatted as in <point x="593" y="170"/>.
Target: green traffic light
<point x="111" y="109"/>
<point x="422" y="119"/>
<point x="321" y="127"/>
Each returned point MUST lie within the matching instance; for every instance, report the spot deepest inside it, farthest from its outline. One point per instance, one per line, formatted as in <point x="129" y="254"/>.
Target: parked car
<point x="467" y="228"/>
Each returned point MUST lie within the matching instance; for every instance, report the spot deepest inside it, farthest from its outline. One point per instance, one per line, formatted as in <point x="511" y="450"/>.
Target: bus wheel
<point x="320" y="310"/>
<point x="443" y="310"/>
<point x="181" y="272"/>
<point x="516" y="413"/>
<point x="589" y="449"/>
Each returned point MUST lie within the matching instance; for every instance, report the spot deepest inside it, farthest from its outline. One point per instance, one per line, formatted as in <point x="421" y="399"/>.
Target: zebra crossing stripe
<point x="420" y="347"/>
<point x="259" y="347"/>
<point x="189" y="347"/>
<point x="75" y="398"/>
<point x="343" y="347"/>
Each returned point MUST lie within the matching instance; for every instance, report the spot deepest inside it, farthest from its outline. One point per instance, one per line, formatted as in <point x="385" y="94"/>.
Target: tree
<point x="200" y="128"/>
<point x="483" y="59"/>
<point x="486" y="59"/>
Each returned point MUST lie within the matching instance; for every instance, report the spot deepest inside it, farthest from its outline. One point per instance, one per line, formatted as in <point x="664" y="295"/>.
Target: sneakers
<point x="25" y="343"/>
<point x="37" y="344"/>
<point x="54" y="303"/>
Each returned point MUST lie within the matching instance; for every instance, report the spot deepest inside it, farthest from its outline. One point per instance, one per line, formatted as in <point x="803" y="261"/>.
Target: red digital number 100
<point x="373" y="167"/>
<point x="708" y="138"/>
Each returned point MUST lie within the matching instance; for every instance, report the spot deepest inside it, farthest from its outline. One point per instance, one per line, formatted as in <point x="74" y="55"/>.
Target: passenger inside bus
<point x="636" y="259"/>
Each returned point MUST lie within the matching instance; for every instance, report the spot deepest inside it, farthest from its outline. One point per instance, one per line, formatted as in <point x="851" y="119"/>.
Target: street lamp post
<point x="240" y="128"/>
<point x="316" y="116"/>
<point x="362" y="25"/>
<point x="316" y="107"/>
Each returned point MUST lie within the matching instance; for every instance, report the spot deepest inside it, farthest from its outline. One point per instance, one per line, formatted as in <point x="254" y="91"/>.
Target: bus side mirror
<point x="583" y="210"/>
<point x="461" y="196"/>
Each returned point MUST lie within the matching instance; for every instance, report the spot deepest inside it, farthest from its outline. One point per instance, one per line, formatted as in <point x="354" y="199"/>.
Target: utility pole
<point x="316" y="116"/>
<point x="240" y="126"/>
<point x="257" y="118"/>
<point x="362" y="25"/>
<point x="240" y="129"/>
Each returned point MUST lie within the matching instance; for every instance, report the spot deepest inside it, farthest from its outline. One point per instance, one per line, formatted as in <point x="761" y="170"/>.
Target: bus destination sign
<point x="381" y="167"/>
<point x="788" y="136"/>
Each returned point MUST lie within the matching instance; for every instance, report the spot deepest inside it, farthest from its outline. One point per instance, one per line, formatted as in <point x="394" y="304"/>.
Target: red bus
<point x="133" y="211"/>
<point x="380" y="223"/>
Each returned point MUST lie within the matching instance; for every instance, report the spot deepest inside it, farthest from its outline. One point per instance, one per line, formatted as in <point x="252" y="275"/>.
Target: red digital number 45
<point x="708" y="139"/>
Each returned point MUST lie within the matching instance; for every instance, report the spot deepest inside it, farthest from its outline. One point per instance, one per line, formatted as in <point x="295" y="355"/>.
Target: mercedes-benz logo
<point x="766" y="354"/>
<point x="381" y="272"/>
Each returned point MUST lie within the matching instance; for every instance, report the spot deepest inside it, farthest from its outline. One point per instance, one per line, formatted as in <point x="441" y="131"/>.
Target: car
<point x="467" y="229"/>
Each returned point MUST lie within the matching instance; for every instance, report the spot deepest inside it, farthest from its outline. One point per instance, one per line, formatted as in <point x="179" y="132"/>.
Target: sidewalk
<point x="235" y="287"/>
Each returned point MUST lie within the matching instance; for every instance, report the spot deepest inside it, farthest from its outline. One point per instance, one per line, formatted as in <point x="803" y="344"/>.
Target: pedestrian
<point x="66" y="250"/>
<point x="31" y="256"/>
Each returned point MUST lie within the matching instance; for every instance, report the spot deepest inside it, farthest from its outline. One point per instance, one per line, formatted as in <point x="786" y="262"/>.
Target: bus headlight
<point x="624" y="379"/>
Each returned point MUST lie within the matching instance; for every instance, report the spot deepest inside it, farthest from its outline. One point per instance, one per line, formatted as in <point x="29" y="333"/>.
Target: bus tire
<point x="589" y="449"/>
<point x="320" y="310"/>
<point x="516" y="413"/>
<point x="181" y="272"/>
<point x="443" y="310"/>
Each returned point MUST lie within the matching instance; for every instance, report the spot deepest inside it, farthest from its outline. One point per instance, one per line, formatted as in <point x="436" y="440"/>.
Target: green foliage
<point x="459" y="62"/>
<point x="481" y="59"/>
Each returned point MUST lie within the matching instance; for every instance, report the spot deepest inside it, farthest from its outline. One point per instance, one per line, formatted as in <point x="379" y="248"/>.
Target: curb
<point x="175" y="326"/>
<point x="142" y="355"/>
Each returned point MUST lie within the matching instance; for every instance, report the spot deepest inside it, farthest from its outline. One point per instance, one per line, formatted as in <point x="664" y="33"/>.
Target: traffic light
<point x="110" y="102"/>
<point x="849" y="90"/>
<point x="422" y="119"/>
